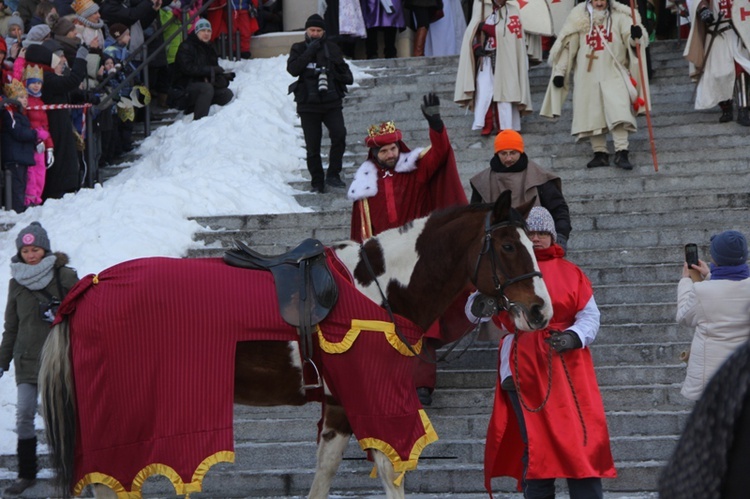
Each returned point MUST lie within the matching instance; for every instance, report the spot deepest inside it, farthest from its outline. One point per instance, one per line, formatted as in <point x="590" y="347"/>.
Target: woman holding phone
<point x="716" y="306"/>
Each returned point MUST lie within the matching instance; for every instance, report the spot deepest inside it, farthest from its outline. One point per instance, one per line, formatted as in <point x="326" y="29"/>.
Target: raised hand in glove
<point x="706" y="15"/>
<point x="558" y="81"/>
<point x="563" y="341"/>
<point x="431" y="111"/>
<point x="635" y="32"/>
<point x="50" y="158"/>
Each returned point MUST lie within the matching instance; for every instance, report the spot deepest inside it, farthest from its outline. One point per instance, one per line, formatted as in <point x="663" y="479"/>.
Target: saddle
<point x="305" y="288"/>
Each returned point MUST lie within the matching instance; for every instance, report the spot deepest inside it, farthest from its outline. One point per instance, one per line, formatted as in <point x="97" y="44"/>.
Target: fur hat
<point x="315" y="21"/>
<point x="33" y="235"/>
<point x="85" y="8"/>
<point x="540" y="220"/>
<point x="383" y="134"/>
<point x="40" y="54"/>
<point x="729" y="248"/>
<point x="15" y="89"/>
<point x="202" y="24"/>
<point x="508" y="140"/>
<point x="63" y="26"/>
<point x="117" y="30"/>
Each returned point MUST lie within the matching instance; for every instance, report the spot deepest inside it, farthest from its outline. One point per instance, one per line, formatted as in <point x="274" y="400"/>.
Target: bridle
<point x="488" y="248"/>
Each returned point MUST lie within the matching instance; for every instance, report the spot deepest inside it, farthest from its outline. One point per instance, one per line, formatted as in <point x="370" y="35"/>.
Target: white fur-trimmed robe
<point x="600" y="97"/>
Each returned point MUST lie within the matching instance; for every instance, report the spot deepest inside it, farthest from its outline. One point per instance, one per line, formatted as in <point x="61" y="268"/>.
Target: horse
<point x="415" y="272"/>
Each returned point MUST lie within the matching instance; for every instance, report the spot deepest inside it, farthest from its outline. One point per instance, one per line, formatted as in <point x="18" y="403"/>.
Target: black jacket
<point x="195" y="62"/>
<point x="18" y="138"/>
<point x="306" y="61"/>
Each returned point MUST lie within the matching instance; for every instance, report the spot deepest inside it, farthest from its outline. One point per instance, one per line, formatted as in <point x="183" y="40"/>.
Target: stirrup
<point x="318" y="383"/>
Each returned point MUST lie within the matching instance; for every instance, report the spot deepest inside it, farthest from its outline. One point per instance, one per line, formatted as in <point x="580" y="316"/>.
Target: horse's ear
<point x="501" y="209"/>
<point x="525" y="208"/>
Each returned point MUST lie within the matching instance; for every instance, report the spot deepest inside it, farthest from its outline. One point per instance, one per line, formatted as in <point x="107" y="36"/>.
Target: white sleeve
<point x="686" y="303"/>
<point x="586" y="325"/>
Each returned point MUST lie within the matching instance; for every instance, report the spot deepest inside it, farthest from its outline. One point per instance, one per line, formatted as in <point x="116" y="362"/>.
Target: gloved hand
<point x="479" y="52"/>
<point x="635" y="32"/>
<point x="313" y="46"/>
<point x="40" y="147"/>
<point x="230" y="75"/>
<point x="480" y="307"/>
<point x="563" y="341"/>
<point x="558" y="81"/>
<point x="706" y="15"/>
<point x="431" y="111"/>
<point x="562" y="241"/>
<point x="50" y="158"/>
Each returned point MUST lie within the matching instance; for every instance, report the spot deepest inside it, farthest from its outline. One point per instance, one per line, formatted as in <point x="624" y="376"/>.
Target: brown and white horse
<point x="421" y="269"/>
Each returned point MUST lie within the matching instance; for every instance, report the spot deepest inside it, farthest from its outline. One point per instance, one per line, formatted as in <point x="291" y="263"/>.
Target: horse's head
<point x="506" y="268"/>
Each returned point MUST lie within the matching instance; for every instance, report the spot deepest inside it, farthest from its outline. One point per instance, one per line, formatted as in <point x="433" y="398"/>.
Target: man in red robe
<point x="396" y="185"/>
<point x="543" y="430"/>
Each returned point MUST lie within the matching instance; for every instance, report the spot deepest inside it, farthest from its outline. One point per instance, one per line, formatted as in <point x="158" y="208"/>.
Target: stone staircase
<point x="629" y="229"/>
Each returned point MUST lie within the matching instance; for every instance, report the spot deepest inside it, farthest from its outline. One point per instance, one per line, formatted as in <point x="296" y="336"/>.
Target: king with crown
<point x="396" y="185"/>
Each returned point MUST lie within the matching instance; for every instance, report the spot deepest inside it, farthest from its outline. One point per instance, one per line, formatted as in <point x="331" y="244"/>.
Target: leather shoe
<point x="425" y="397"/>
<point x="320" y="188"/>
<point x="600" y="159"/>
<point x="621" y="160"/>
<point x="335" y="181"/>
<point x="17" y="487"/>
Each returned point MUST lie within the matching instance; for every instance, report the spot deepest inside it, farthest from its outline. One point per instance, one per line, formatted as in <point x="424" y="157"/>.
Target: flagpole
<point x="646" y="97"/>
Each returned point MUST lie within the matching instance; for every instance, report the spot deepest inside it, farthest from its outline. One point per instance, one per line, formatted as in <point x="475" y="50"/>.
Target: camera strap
<point x="48" y="297"/>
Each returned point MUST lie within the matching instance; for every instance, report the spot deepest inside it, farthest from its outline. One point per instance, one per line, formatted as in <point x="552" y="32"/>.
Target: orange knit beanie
<point x="508" y="139"/>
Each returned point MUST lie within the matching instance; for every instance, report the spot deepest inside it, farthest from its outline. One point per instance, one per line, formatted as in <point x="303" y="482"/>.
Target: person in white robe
<point x="597" y="43"/>
<point x="445" y="34"/>
<point x="493" y="68"/>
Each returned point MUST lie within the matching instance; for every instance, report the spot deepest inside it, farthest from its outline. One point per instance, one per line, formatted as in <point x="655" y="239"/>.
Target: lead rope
<point x="517" y="383"/>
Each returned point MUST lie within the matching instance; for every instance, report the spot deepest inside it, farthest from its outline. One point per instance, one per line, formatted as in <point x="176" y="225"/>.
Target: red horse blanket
<point x="153" y="344"/>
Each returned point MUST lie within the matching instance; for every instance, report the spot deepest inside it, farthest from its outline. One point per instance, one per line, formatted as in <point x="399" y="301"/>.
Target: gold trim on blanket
<point x="180" y="487"/>
<point x="400" y="466"/>
<point x="357" y="327"/>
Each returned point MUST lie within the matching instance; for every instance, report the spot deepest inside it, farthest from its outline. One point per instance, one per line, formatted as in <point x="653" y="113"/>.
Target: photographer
<point x="198" y="74"/>
<point x="39" y="281"/>
<point x="322" y="77"/>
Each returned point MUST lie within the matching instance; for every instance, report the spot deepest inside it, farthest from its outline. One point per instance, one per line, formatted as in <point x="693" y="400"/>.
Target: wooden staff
<point x="645" y="94"/>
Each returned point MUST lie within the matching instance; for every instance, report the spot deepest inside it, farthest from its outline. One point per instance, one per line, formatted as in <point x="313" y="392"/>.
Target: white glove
<point x="40" y="147"/>
<point x="50" y="160"/>
<point x="470" y="313"/>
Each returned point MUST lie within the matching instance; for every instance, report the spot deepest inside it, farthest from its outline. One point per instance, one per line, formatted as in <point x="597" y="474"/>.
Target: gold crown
<point x="32" y="71"/>
<point x="14" y="89"/>
<point x="382" y="129"/>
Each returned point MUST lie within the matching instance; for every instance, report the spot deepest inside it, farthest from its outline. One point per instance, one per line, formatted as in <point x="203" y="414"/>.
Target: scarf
<point x="730" y="272"/>
<point x="90" y="24"/>
<point x="497" y="166"/>
<point x="550" y="253"/>
<point x="34" y="277"/>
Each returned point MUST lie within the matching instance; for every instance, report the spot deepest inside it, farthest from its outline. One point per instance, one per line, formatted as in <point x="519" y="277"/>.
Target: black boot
<point x="621" y="160"/>
<point x="743" y="116"/>
<point x="26" y="467"/>
<point x="727" y="113"/>
<point x="600" y="159"/>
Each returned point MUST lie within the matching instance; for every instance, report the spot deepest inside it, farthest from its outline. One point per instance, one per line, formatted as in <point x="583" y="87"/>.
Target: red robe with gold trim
<point x="558" y="447"/>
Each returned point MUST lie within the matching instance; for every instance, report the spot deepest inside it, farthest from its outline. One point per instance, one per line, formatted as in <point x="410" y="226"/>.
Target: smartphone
<point x="691" y="254"/>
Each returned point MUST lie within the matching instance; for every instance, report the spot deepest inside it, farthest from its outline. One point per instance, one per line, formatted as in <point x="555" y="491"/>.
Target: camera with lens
<point x="48" y="310"/>
<point x="323" y="81"/>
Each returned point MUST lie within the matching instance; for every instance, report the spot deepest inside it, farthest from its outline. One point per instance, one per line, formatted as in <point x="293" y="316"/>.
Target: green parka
<point x="25" y="331"/>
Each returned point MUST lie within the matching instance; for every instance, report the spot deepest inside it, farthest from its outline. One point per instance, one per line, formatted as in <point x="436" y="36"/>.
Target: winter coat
<point x="63" y="176"/>
<point x="25" y="331"/>
<point x="195" y="62"/>
<point x="138" y="16"/>
<point x="600" y="96"/>
<point x="307" y="65"/>
<point x="719" y="310"/>
<point x="18" y="138"/>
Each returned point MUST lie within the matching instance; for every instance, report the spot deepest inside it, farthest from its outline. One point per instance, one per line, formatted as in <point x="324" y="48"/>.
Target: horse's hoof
<point x="425" y="396"/>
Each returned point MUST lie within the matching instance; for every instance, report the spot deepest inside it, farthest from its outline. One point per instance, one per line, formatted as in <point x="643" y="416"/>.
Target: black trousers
<point x="202" y="94"/>
<point x="578" y="488"/>
<point x="17" y="186"/>
<point x="389" y="42"/>
<point x="312" y="128"/>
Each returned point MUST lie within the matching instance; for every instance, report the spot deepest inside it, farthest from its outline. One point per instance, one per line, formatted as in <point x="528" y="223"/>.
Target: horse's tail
<point x="58" y="403"/>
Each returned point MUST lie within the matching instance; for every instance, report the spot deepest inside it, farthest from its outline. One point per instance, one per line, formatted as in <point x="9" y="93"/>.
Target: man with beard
<point x="597" y="42"/>
<point x="396" y="185"/>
